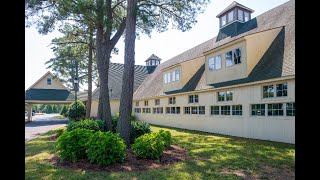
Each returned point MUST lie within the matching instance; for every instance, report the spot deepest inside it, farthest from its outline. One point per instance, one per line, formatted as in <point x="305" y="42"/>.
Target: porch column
<point x="29" y="106"/>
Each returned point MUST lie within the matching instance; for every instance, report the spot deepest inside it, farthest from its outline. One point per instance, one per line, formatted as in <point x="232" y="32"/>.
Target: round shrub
<point x="149" y="146"/>
<point x="59" y="132"/>
<point x="77" y="110"/>
<point x="166" y="137"/>
<point x="72" y="145"/>
<point x="90" y="124"/>
<point x="138" y="128"/>
<point x="105" y="148"/>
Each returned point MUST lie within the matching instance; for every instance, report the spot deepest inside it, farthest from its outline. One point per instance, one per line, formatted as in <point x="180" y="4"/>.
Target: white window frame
<point x="177" y="75"/>
<point x="173" y="73"/>
<point x="244" y="17"/>
<point x="49" y="80"/>
<point x="165" y="78"/>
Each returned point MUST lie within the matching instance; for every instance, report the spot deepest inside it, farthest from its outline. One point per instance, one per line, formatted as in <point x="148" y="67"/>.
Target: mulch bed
<point x="170" y="156"/>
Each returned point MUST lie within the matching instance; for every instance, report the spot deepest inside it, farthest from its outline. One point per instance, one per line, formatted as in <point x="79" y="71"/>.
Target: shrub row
<point x="103" y="148"/>
<point x="152" y="145"/>
<point x="95" y="125"/>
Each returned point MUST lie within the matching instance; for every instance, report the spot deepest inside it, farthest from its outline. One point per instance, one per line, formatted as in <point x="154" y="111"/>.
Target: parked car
<point x="26" y="113"/>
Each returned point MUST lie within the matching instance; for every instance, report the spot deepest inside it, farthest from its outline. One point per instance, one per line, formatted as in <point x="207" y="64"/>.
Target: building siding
<point x="274" y="128"/>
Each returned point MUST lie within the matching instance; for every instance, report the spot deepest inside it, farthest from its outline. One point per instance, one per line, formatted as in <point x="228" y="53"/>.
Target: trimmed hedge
<point x="148" y="146"/>
<point x="105" y="148"/>
<point x="166" y="137"/>
<point x="72" y="145"/>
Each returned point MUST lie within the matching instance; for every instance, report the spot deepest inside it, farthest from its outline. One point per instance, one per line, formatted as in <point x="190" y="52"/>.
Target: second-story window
<point x="146" y="103"/>
<point x="137" y="103"/>
<point x="173" y="75"/>
<point x="215" y="63"/>
<point x="237" y="56"/>
<point x="246" y="16"/>
<point x="240" y="15"/>
<point x="229" y="58"/>
<point x="177" y="75"/>
<point x="157" y="102"/>
<point x="172" y="100"/>
<point x="165" y="78"/>
<point x="224" y="20"/>
<point x="278" y="90"/>
<point x="225" y="96"/>
<point x="194" y="98"/>
<point x="49" y="81"/>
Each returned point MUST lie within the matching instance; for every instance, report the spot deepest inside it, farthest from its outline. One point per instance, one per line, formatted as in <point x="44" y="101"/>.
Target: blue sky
<point x="165" y="45"/>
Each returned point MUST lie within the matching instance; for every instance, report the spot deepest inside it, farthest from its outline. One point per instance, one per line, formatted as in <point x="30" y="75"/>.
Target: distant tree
<point x="64" y="110"/>
<point x="49" y="108"/>
<point x="54" y="109"/>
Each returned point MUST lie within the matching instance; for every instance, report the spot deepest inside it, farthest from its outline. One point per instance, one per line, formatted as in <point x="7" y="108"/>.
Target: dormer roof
<point x="153" y="57"/>
<point x="232" y="5"/>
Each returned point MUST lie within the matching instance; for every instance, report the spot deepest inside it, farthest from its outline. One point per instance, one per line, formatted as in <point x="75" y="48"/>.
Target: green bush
<point x="64" y="111"/>
<point x="115" y="120"/>
<point x="166" y="137"/>
<point x="149" y="146"/>
<point x="100" y="124"/>
<point x="77" y="110"/>
<point x="90" y="124"/>
<point x="105" y="148"/>
<point x="138" y="128"/>
<point x="59" y="132"/>
<point x="72" y="145"/>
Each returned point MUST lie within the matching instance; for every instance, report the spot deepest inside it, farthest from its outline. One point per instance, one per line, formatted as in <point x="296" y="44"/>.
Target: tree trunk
<point x="88" y="106"/>
<point x="124" y="124"/>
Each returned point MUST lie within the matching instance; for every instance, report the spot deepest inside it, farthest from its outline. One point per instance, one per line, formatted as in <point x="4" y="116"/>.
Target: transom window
<point x="275" y="109"/>
<point x="158" y="110"/>
<point x="172" y="100"/>
<point x="237" y="110"/>
<point x="215" y="110"/>
<point x="194" y="98"/>
<point x="172" y="76"/>
<point x="157" y="102"/>
<point x="173" y="110"/>
<point x="258" y="109"/>
<point x="215" y="63"/>
<point x="137" y="103"/>
<point x="195" y="110"/>
<point x="146" y="110"/>
<point x="225" y="96"/>
<point x="280" y="89"/>
<point x="291" y="109"/>
<point x="225" y="110"/>
<point x="146" y="103"/>
<point x="48" y="81"/>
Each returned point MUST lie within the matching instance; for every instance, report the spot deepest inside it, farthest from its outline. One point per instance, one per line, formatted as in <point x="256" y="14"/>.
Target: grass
<point x="209" y="156"/>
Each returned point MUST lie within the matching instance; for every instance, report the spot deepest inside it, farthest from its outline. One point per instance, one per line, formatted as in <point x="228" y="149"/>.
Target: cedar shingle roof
<point x="115" y="79"/>
<point x="278" y="61"/>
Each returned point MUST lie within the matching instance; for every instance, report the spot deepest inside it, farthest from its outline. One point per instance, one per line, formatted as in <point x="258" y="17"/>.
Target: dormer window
<point x="233" y="57"/>
<point x="172" y="76"/>
<point x="240" y="15"/>
<point x="153" y="60"/>
<point x="224" y="20"/>
<point x="230" y="16"/>
<point x="246" y="16"/>
<point x="48" y="81"/>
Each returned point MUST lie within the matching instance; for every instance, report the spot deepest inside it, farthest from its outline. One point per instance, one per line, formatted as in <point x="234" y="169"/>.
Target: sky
<point x="164" y="45"/>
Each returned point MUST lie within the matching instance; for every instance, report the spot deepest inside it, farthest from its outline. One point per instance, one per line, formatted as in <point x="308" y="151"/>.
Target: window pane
<point x="237" y="56"/>
<point x="191" y="99"/>
<point x="230" y="16"/>
<point x="194" y="110"/>
<point x="229" y="96"/>
<point x="223" y="20"/>
<point x="49" y="81"/>
<point x="229" y="58"/>
<point x="268" y="91"/>
<point x="291" y="110"/>
<point x="246" y="16"/>
<point x="173" y="75"/>
<point x="202" y="110"/>
<point x="221" y="96"/>
<point x="240" y="15"/>
<point x="196" y="98"/>
<point x="211" y="63"/>
<point x="169" y="77"/>
<point x="165" y="78"/>
<point x="177" y="75"/>
<point x="218" y="62"/>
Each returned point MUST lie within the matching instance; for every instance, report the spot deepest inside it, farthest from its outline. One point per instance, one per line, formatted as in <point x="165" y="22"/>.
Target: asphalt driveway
<point x="42" y="124"/>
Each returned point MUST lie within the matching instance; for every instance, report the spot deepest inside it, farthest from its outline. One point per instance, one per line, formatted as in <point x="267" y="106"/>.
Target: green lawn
<point x="211" y="156"/>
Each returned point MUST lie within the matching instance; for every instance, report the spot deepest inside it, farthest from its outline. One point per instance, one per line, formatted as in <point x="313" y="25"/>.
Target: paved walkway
<point x="42" y="124"/>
